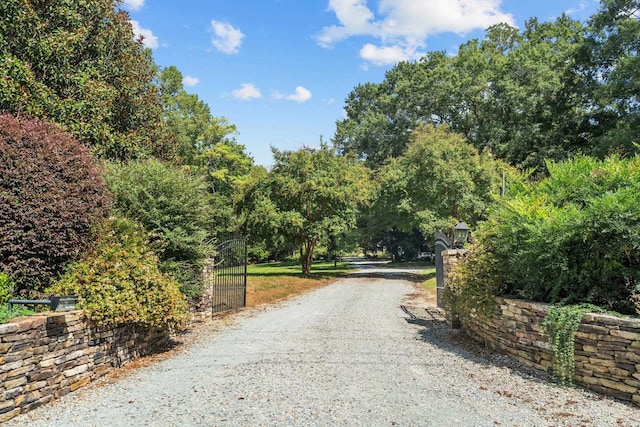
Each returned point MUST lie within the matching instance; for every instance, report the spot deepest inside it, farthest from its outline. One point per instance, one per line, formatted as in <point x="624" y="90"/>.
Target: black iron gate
<point x="230" y="275"/>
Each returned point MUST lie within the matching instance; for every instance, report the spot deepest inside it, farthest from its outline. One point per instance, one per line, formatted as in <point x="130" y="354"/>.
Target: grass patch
<point x="270" y="282"/>
<point x="6" y="314"/>
<point x="430" y="279"/>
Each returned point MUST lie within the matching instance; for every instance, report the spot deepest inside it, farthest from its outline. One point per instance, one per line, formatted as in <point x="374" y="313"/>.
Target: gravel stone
<point x="364" y="351"/>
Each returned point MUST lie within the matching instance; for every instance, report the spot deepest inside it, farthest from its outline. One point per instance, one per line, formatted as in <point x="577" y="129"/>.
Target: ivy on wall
<point x="560" y="325"/>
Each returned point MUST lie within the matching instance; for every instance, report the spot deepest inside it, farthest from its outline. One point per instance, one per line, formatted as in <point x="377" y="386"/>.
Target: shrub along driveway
<point x="364" y="351"/>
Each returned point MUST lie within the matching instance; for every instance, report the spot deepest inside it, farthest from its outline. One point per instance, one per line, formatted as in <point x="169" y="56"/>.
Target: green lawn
<point x="318" y="269"/>
<point x="275" y="281"/>
<point x="430" y="278"/>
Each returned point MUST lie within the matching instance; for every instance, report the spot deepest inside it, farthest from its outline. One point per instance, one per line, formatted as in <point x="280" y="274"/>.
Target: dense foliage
<point x="610" y="61"/>
<point x="544" y="92"/>
<point x="173" y="205"/>
<point x="120" y="281"/>
<point x="76" y="63"/>
<point x="572" y="237"/>
<point x="438" y="180"/>
<point x="206" y="144"/>
<point x="189" y="119"/>
<point x="472" y="287"/>
<point x="51" y="192"/>
<point x="6" y="288"/>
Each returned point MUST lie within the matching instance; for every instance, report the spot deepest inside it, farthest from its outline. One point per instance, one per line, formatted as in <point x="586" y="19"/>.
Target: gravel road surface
<point x="364" y="351"/>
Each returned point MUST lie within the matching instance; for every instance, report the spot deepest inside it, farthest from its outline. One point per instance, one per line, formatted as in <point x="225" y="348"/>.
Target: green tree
<point x="306" y="197"/>
<point x="374" y="129"/>
<point x="260" y="218"/>
<point x="189" y="119"/>
<point x="437" y="181"/>
<point x="76" y="63"/>
<point x="206" y="144"/>
<point x="519" y="93"/>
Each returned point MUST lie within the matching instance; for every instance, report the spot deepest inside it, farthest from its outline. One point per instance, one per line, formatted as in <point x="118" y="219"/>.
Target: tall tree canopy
<point x="307" y="196"/>
<point x="206" y="144"/>
<point x="76" y="63"/>
<point x="521" y="93"/>
<point x="437" y="181"/>
<point x="189" y="119"/>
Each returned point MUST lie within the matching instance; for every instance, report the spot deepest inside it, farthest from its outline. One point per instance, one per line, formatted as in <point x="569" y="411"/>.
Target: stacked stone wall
<point x="47" y="356"/>
<point x="607" y="348"/>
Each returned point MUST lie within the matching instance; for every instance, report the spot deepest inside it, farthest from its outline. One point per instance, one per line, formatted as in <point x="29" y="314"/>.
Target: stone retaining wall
<point x="46" y="356"/>
<point x="607" y="348"/>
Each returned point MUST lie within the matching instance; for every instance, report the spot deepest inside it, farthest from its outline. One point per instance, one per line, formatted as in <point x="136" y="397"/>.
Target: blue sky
<point x="280" y="70"/>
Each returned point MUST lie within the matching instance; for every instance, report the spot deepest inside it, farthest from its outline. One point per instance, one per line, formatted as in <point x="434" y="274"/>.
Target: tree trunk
<point x="306" y="257"/>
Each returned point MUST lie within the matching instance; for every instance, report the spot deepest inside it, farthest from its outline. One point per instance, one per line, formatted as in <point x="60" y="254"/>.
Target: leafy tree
<point x="307" y="196"/>
<point x="437" y="181"/>
<point x="172" y="204"/>
<point x="518" y="93"/>
<point x="258" y="216"/>
<point x="374" y="129"/>
<point x="206" y="144"/>
<point x="539" y="108"/>
<point x="51" y="193"/>
<point x="189" y="119"/>
<point x="76" y="63"/>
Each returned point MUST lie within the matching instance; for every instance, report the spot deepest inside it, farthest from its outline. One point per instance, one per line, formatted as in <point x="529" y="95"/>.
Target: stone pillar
<point x="450" y="259"/>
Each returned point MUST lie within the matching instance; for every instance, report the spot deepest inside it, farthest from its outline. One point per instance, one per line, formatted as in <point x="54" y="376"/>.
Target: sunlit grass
<point x="272" y="282"/>
<point x="430" y="275"/>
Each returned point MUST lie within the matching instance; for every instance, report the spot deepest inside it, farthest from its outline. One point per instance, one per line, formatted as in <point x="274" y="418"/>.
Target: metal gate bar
<point x="230" y="275"/>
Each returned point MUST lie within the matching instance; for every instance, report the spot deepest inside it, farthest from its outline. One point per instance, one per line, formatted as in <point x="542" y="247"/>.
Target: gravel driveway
<point x="363" y="351"/>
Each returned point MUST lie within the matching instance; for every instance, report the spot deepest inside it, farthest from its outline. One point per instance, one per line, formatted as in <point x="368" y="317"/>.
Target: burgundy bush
<point x="51" y="192"/>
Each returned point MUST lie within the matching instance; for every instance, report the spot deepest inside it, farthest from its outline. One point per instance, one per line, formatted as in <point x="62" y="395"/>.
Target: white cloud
<point x="149" y="40"/>
<point x="355" y="17"/>
<point x="226" y="38"/>
<point x="580" y="8"/>
<point x="190" y="81"/>
<point x="246" y="91"/>
<point x="386" y="55"/>
<point x="301" y="95"/>
<point x="133" y="4"/>
<point x="402" y="26"/>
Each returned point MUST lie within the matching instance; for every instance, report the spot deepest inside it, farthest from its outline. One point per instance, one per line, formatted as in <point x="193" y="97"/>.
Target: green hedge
<point x="572" y="237"/>
<point x="175" y="207"/>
